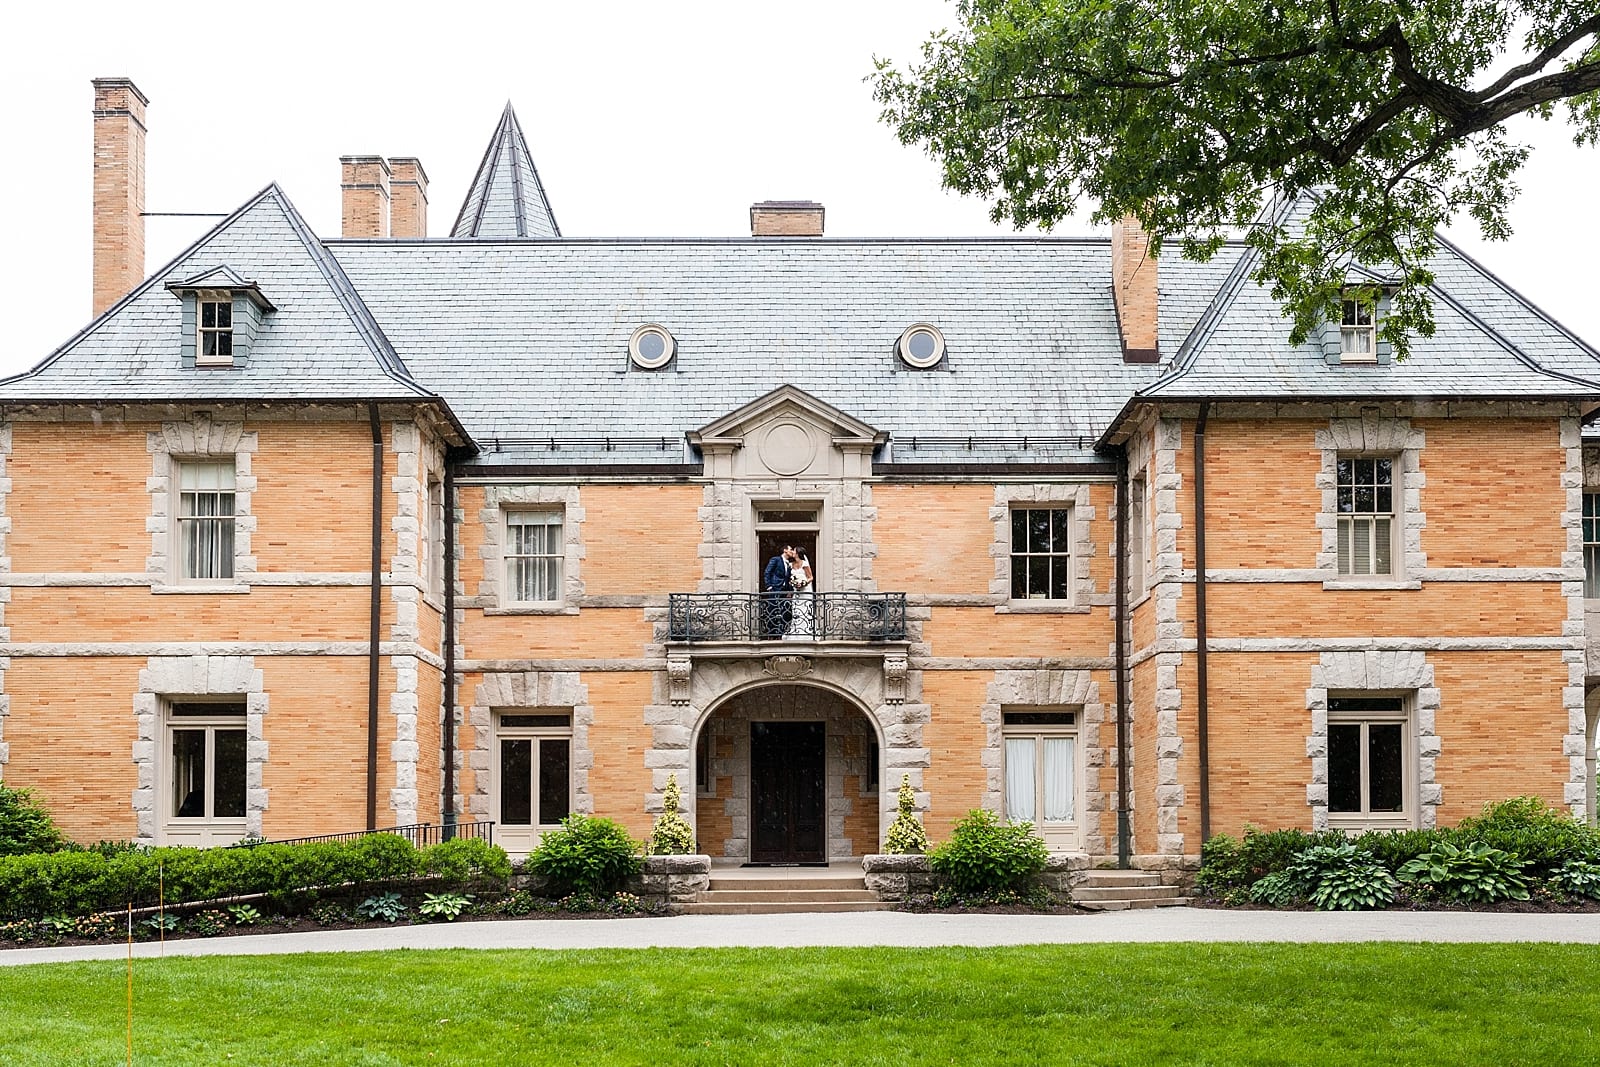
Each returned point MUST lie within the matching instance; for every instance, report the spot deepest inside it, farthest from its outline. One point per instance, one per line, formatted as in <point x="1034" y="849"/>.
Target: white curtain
<point x="1019" y="779"/>
<point x="1058" y="779"/>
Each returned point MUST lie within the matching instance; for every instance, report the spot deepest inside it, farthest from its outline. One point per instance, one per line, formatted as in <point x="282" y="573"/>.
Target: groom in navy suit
<point x="777" y="595"/>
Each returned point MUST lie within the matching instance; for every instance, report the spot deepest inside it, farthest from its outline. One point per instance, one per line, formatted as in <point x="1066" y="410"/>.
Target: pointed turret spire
<point x="506" y="198"/>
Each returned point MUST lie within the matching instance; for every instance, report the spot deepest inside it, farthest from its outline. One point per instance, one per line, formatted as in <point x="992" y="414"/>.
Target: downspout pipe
<point x="1121" y="633"/>
<point x="449" y="800"/>
<point x="1201" y="694"/>
<point x="374" y="632"/>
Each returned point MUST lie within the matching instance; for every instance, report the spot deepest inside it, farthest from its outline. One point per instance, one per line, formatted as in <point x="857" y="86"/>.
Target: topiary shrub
<point x="985" y="855"/>
<point x="1470" y="874"/>
<point x="906" y="835"/>
<point x="586" y="855"/>
<point x="671" y="835"/>
<point x="25" y="827"/>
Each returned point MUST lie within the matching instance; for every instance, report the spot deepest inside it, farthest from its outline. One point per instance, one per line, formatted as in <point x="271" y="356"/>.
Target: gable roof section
<point x="506" y="198"/>
<point x="1489" y="343"/>
<point x="321" y="342"/>
<point x="788" y="398"/>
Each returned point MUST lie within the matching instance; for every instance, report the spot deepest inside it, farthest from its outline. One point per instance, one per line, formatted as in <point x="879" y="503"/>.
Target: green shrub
<point x="1277" y="890"/>
<point x="329" y="913"/>
<point x="586" y="855"/>
<point x="1221" y="866"/>
<point x="25" y="827"/>
<point x="1470" y="874"/>
<point x="244" y="914"/>
<point x="1341" y="878"/>
<point x="1396" y="848"/>
<point x="1577" y="878"/>
<point x="671" y="835"/>
<point x="986" y="855"/>
<point x="1543" y="838"/>
<point x="209" y="923"/>
<point x="468" y="861"/>
<point x="906" y="835"/>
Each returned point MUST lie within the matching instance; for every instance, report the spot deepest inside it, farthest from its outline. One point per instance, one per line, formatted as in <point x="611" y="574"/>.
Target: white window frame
<point x="523" y="838"/>
<point x="217" y="299"/>
<point x="511" y="559"/>
<point x="1067" y="559"/>
<point x="1366" y="819"/>
<point x="1059" y="835"/>
<point x="207" y="829"/>
<point x="181" y="522"/>
<point x="1355" y="526"/>
<point x="1591" y="545"/>
<point x="1358" y="331"/>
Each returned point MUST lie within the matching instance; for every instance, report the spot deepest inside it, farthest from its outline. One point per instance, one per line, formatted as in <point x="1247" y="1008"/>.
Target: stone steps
<point x="1118" y="890"/>
<point x="783" y="893"/>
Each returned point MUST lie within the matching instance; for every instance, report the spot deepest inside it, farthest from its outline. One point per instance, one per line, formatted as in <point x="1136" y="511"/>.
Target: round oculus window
<point x="651" y="347"/>
<point x="921" y="346"/>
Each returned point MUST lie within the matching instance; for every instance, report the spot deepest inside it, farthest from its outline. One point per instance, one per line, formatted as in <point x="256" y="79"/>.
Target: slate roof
<point x="506" y="198"/>
<point x="528" y="339"/>
<point x="320" y="342"/>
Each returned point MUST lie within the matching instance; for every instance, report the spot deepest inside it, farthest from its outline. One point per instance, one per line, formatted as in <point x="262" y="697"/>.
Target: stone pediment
<point x="787" y="433"/>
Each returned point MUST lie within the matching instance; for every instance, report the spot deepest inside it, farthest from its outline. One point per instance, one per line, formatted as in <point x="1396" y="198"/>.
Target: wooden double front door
<point x="788" y="798"/>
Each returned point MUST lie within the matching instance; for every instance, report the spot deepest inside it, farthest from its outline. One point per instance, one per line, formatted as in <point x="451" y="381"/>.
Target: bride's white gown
<point x="801" y="621"/>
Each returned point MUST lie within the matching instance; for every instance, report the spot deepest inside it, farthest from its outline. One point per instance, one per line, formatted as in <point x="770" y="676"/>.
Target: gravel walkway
<point x="878" y="928"/>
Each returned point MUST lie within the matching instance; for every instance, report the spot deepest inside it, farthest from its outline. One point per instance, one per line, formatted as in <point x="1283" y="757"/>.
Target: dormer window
<point x="1358" y="336"/>
<point x="223" y="314"/>
<point x="214" y="346"/>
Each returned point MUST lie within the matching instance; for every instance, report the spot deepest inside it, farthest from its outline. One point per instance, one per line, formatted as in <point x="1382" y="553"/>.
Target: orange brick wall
<point x="71" y="732"/>
<point x="1142" y="779"/>
<point x="279" y="613"/>
<point x="316" y="730"/>
<point x="313" y="497"/>
<point x="954" y="736"/>
<point x="1261" y="494"/>
<point x="619" y="737"/>
<point x="594" y="633"/>
<point x="979" y="631"/>
<point x="1258" y="727"/>
<point x="1443" y="609"/>
<point x="641" y="538"/>
<point x="430" y="744"/>
<point x="934" y="538"/>
<point x="1500" y="724"/>
<point x="78" y="500"/>
<point x="1493" y="496"/>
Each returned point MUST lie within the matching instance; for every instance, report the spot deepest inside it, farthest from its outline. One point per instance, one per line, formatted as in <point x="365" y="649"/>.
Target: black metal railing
<point x="775" y="617"/>
<point x="419" y="834"/>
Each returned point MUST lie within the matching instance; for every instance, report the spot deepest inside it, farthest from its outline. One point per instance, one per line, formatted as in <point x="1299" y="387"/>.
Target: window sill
<point x="1362" y="823"/>
<point x="533" y="609"/>
<point x="225" y="589"/>
<point x="1389" y="584"/>
<point x="1041" y="607"/>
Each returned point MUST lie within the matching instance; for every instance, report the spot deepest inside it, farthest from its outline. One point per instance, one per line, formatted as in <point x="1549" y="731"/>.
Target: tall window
<point x="1040" y="759"/>
<point x="206" y="770"/>
<point x="205" y="520"/>
<point x="535" y="763"/>
<point x="1366" y="516"/>
<point x="1369" y="762"/>
<point x="705" y="783"/>
<point x="215" y="343"/>
<point x="1358" y="337"/>
<point x="1041" y="554"/>
<point x="534" y="555"/>
<point x="1591" y="546"/>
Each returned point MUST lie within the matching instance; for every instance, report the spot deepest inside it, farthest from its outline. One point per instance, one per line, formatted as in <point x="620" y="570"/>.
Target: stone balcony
<point x="720" y="618"/>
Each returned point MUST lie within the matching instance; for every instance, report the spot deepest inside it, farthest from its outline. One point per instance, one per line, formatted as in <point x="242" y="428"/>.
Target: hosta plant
<point x="1277" y="890"/>
<point x="1342" y="878"/>
<point x="387" y="907"/>
<point x="1471" y="874"/>
<point x="671" y="835"/>
<point x="244" y="914"/>
<point x="906" y="835"/>
<point x="446" y="906"/>
<point x="1577" y="878"/>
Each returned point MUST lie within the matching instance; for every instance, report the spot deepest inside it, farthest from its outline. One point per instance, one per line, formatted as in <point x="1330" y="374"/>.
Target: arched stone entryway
<point x="788" y="773"/>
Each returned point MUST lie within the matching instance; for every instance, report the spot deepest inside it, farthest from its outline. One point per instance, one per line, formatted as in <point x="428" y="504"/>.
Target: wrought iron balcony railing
<point x="775" y="617"/>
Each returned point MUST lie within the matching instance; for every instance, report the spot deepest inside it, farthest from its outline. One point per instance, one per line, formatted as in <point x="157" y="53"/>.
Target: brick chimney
<point x="786" y="218"/>
<point x="364" y="183"/>
<point x="1134" y="291"/>
<point x="118" y="189"/>
<point x="408" y="186"/>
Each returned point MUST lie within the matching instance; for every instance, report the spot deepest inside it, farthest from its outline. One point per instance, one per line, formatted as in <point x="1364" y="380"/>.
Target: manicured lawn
<point x="1100" y="1004"/>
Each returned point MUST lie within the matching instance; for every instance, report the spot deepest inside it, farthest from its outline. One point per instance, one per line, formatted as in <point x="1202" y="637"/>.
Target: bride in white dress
<point x="800" y="622"/>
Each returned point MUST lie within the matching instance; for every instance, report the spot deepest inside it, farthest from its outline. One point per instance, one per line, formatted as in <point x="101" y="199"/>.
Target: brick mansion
<point x="307" y="534"/>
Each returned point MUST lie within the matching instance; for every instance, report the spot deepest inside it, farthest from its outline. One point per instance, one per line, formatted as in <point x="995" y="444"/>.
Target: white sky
<point x="645" y="118"/>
